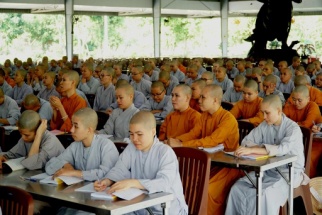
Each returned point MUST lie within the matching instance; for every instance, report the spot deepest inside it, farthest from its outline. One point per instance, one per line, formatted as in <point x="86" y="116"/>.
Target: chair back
<point x="65" y="139"/>
<point x="244" y="128"/>
<point x="120" y="146"/>
<point x="227" y="106"/>
<point x="90" y="98"/>
<point x="194" y="168"/>
<point x="102" y="119"/>
<point x="15" y="201"/>
<point x="307" y="141"/>
<point x="286" y="96"/>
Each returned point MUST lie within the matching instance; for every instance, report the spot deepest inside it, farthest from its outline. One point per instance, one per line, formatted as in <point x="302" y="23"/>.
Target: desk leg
<point x="165" y="208"/>
<point x="290" y="195"/>
<point x="259" y="176"/>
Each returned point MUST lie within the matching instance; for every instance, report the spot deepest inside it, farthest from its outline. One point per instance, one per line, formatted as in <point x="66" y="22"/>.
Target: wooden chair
<point x="227" y="106"/>
<point x="90" y="98"/>
<point x="102" y="119"/>
<point x="303" y="191"/>
<point x="194" y="168"/>
<point x="120" y="146"/>
<point x="15" y="201"/>
<point x="244" y="128"/>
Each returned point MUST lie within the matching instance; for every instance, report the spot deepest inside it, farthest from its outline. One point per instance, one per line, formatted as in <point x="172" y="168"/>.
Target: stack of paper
<point x="250" y="156"/>
<point x="217" y="148"/>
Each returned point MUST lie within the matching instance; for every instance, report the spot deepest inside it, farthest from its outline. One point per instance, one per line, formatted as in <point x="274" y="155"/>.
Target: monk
<point x="169" y="84"/>
<point x="212" y="130"/>
<point x="276" y="136"/>
<point x="63" y="109"/>
<point x="196" y="87"/>
<point x="183" y="119"/>
<point x="235" y="94"/>
<point x="269" y="88"/>
<point x="208" y="77"/>
<point x="222" y="79"/>
<point x="287" y="84"/>
<point x="248" y="108"/>
<point x="315" y="94"/>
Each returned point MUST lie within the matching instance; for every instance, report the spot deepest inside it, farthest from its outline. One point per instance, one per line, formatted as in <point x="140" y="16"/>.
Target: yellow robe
<point x="177" y="123"/>
<point x="211" y="130"/>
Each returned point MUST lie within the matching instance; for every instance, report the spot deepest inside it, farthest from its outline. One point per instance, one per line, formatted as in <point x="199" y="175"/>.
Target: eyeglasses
<point x="102" y="75"/>
<point x="157" y="94"/>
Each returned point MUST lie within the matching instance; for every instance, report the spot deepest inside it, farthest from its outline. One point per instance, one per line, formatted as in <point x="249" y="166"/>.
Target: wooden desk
<point x="224" y="160"/>
<point x="66" y="196"/>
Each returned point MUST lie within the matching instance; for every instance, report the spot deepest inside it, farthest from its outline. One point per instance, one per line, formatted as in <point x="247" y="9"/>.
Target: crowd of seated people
<point x="183" y="95"/>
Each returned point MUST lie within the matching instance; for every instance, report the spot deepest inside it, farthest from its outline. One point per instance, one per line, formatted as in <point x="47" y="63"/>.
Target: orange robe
<point x="305" y="117"/>
<point x="249" y="110"/>
<point x="71" y="105"/>
<point x="10" y="81"/>
<point x="194" y="104"/>
<point x="211" y="130"/>
<point x="315" y="96"/>
<point x="182" y="68"/>
<point x="177" y="123"/>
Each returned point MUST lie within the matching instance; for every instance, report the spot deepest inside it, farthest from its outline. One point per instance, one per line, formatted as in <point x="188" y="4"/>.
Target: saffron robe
<point x="249" y="110"/>
<point x="157" y="171"/>
<point x="94" y="161"/>
<point x="210" y="131"/>
<point x="315" y="96"/>
<point x="71" y="105"/>
<point x="194" y="104"/>
<point x="177" y="123"/>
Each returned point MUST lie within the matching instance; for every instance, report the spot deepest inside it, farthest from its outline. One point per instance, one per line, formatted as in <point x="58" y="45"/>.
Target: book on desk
<point x="250" y="156"/>
<point x="12" y="165"/>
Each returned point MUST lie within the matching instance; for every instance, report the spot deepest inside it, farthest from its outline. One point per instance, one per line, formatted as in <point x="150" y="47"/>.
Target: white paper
<point x="10" y="128"/>
<point x="40" y="176"/>
<point x="128" y="194"/>
<point x="48" y="180"/>
<point x="65" y="179"/>
<point x="103" y="195"/>
<point x="217" y="148"/>
<point x="15" y="164"/>
<point x="89" y="188"/>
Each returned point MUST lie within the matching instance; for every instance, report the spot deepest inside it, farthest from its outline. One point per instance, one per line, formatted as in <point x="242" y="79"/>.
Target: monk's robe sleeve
<point x="286" y="109"/>
<point x="236" y="110"/>
<point x="195" y="133"/>
<point x="257" y="119"/>
<point x="18" y="151"/>
<point x="312" y="115"/>
<point x="163" y="129"/>
<point x="67" y="124"/>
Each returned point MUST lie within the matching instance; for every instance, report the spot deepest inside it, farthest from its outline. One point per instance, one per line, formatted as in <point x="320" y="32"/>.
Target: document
<point x="217" y="148"/>
<point x="13" y="165"/>
<point x="60" y="180"/>
<point x="127" y="194"/>
<point x="89" y="188"/>
<point x="250" y="156"/>
<point x="40" y="176"/>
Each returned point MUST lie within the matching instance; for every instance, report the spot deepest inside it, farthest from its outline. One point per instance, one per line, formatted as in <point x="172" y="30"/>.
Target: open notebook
<point x="251" y="156"/>
<point x="68" y="180"/>
<point x="13" y="165"/>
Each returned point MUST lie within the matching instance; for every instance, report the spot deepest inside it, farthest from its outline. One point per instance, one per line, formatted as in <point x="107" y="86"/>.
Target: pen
<point x="28" y="179"/>
<point x="98" y="179"/>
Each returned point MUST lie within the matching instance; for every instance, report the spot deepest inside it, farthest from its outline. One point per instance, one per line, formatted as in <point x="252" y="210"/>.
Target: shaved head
<point x="252" y="85"/>
<point x="158" y="84"/>
<point x="300" y="80"/>
<point x="302" y="90"/>
<point x="201" y="83"/>
<point x="287" y="70"/>
<point x="21" y="72"/>
<point x="52" y="75"/>
<point x="31" y="101"/>
<point x="144" y="118"/>
<point x="273" y="101"/>
<point x="257" y="70"/>
<point x="271" y="78"/>
<point x="88" y="117"/>
<point x="73" y="76"/>
<point x="240" y="79"/>
<point x="215" y="91"/>
<point x="209" y="75"/>
<point x="129" y="90"/>
<point x="185" y="89"/>
<point x="29" y="119"/>
<point x="164" y="75"/>
<point x="121" y="82"/>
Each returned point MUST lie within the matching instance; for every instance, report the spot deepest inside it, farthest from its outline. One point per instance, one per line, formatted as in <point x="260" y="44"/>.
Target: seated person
<point x="241" y="68"/>
<point x="212" y="130"/>
<point x="301" y="71"/>
<point x="192" y="74"/>
<point x="41" y="106"/>
<point x="9" y="110"/>
<point x="9" y="80"/>
<point x="21" y="90"/>
<point x="183" y="118"/>
<point x="276" y="136"/>
<point x="268" y="69"/>
<point x="287" y="84"/>
<point x="248" y="109"/>
<point x="175" y="71"/>
<point x="37" y="144"/>
<point x="318" y="81"/>
<point x="88" y="84"/>
<point x="90" y="157"/>
<point x="169" y="84"/>
<point x="231" y="70"/>
<point x="159" y="104"/>
<point x="208" y="77"/>
<point x="139" y="83"/>
<point x="315" y="94"/>
<point x="118" y="73"/>
<point x="222" y="79"/>
<point x="311" y="71"/>
<point x="296" y="62"/>
<point x="63" y="109"/>
<point x="257" y="76"/>
<point x="118" y="122"/>
<point x="36" y="81"/>
<point x="269" y="88"/>
<point x="6" y="88"/>
<point x="235" y="93"/>
<point x="97" y="71"/>
<point x="281" y="66"/>
<point x="49" y="87"/>
<point x="153" y="74"/>
<point x="317" y="64"/>
<point x="198" y="63"/>
<point x="155" y="168"/>
<point x="105" y="94"/>
<point x="196" y="88"/>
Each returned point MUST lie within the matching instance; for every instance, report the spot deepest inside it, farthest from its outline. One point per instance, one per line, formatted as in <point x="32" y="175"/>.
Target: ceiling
<point x="184" y="8"/>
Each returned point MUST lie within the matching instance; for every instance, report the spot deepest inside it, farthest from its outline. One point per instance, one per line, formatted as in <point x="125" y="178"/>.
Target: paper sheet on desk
<point x="127" y="194"/>
<point x="10" y="128"/>
<point x="89" y="188"/>
<point x="40" y="176"/>
<point x="60" y="180"/>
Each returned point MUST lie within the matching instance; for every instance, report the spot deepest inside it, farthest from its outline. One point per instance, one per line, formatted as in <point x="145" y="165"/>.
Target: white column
<point x="69" y="11"/>
<point x="224" y="26"/>
<point x="156" y="26"/>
